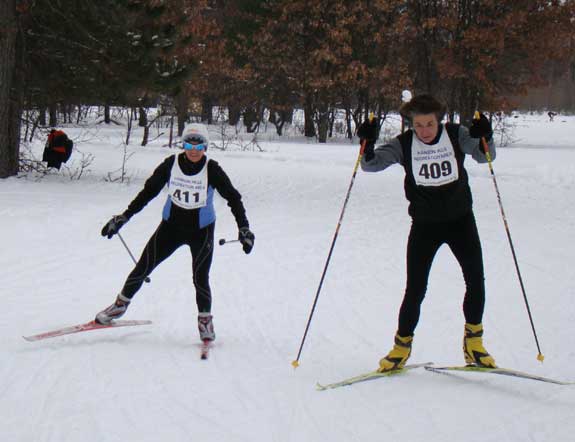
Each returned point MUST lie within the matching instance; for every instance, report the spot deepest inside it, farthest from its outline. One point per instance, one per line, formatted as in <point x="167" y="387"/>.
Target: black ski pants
<point x="424" y="240"/>
<point x="165" y="241"/>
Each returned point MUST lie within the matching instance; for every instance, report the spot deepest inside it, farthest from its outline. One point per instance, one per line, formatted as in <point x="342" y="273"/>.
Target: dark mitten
<point x="114" y="225"/>
<point x="481" y="127"/>
<point x="368" y="153"/>
<point x="369" y="130"/>
<point x="247" y="238"/>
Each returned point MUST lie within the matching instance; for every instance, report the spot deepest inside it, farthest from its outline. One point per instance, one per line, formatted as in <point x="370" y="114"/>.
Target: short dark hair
<point x="421" y="105"/>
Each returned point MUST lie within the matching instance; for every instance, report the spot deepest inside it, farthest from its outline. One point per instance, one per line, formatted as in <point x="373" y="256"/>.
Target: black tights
<point x="424" y="240"/>
<point x="165" y="240"/>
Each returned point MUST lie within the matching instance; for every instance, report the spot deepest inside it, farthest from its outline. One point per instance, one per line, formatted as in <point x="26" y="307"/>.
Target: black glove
<point x="369" y="130"/>
<point x="114" y="225"/>
<point x="481" y="127"/>
<point x="247" y="239"/>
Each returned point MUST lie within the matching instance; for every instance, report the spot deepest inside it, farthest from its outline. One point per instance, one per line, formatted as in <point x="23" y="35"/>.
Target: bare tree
<point x="10" y="88"/>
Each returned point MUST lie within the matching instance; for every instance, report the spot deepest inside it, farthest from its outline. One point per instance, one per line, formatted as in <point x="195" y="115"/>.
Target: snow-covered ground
<point x="149" y="384"/>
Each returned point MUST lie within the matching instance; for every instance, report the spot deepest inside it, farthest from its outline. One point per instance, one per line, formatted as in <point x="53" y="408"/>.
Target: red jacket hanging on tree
<point x="58" y="148"/>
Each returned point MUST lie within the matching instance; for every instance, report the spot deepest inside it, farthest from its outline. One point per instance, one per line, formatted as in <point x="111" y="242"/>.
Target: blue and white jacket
<point x="190" y="219"/>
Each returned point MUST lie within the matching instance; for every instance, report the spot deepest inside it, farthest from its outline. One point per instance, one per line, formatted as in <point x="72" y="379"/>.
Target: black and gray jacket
<point x="194" y="219"/>
<point x="432" y="203"/>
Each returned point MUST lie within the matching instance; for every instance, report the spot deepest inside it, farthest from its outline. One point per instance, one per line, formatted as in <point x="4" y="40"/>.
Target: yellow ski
<point x="500" y="371"/>
<point x="369" y="376"/>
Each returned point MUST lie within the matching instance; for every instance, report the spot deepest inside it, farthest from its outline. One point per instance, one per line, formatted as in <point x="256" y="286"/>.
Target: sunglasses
<point x="190" y="146"/>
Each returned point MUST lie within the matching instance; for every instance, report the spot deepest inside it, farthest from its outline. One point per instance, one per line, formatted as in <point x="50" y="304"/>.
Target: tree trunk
<point x="68" y="113"/>
<point x="53" y="115"/>
<point x="129" y="131"/>
<point x="467" y="106"/>
<point x="348" y="130"/>
<point x="322" y="122"/>
<point x="42" y="117"/>
<point x="207" y="104"/>
<point x="279" y="118"/>
<point x="309" y="127"/>
<point x="142" y="117"/>
<point x="107" y="118"/>
<point x="331" y="122"/>
<point x="252" y="118"/>
<point x="171" y="131"/>
<point x="182" y="113"/>
<point x="234" y="114"/>
<point x="10" y="90"/>
<point x="34" y="127"/>
<point x="27" y="119"/>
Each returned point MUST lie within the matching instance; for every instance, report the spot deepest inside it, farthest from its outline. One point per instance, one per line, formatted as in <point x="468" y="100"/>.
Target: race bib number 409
<point x="434" y="165"/>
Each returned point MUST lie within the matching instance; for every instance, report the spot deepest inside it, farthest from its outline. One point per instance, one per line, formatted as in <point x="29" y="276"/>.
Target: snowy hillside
<point x="148" y="383"/>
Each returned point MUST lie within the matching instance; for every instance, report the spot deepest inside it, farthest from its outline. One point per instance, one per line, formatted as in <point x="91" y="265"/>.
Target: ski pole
<point x="147" y="278"/>
<point x="223" y="241"/>
<point x="295" y="362"/>
<point x="540" y="356"/>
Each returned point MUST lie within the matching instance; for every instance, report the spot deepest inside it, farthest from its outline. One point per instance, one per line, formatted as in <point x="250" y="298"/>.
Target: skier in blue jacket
<point x="188" y="218"/>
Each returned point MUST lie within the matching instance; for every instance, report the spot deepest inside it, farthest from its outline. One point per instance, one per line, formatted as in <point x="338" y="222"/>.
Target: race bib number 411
<point x="434" y="165"/>
<point x="188" y="191"/>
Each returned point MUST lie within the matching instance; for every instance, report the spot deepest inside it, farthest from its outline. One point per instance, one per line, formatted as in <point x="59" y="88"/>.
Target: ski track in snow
<point x="148" y="383"/>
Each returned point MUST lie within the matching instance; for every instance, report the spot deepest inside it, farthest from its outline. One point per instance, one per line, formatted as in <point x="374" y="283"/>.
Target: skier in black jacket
<point x="440" y="204"/>
<point x="188" y="218"/>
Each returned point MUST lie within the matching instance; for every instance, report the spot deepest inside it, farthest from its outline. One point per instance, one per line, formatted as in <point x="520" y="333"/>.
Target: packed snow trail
<point x="148" y="383"/>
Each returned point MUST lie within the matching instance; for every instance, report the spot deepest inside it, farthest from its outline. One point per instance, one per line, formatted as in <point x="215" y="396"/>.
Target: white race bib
<point x="188" y="191"/>
<point x="434" y="165"/>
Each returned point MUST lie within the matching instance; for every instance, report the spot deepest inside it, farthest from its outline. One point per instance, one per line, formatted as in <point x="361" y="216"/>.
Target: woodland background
<point x="268" y="58"/>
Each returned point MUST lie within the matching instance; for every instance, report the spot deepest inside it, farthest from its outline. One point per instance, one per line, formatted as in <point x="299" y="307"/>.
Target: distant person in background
<point x="551" y="115"/>
<point x="188" y="218"/>
<point x="440" y="205"/>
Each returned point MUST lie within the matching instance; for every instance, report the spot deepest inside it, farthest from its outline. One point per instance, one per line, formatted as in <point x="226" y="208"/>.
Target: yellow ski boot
<point x="473" y="349"/>
<point x="398" y="355"/>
